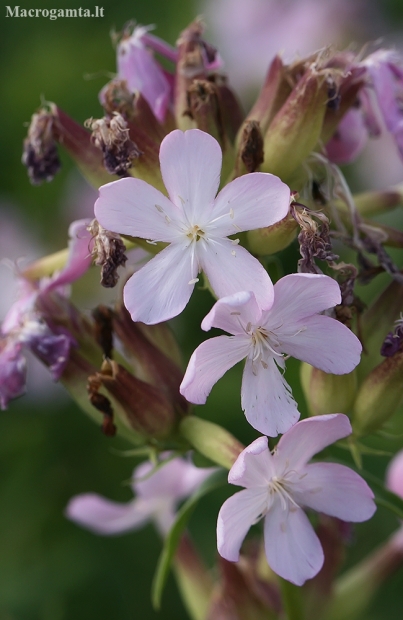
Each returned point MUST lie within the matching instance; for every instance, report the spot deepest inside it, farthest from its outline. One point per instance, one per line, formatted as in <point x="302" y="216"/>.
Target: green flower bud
<point x="327" y="393"/>
<point x="211" y="440"/>
<point x="379" y="395"/>
<point x="376" y="322"/>
<point x="296" y="128"/>
<point x="273" y="238"/>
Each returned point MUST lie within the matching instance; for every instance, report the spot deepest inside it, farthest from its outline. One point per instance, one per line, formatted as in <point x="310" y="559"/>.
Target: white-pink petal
<point x="133" y="207"/>
<point x="233" y="313"/>
<point x="310" y="436"/>
<point x="251" y="201"/>
<point x="143" y="75"/>
<point x="300" y="295"/>
<point x="254" y="466"/>
<point x="292" y="548"/>
<point x="161" y="289"/>
<point x="324" y="343"/>
<point x="237" y="515"/>
<point x="335" y="490"/>
<point x="173" y="480"/>
<point x="266" y="398"/>
<point x="230" y="269"/>
<point x="190" y="167"/>
<point x="209" y="362"/>
<point x="103" y="516"/>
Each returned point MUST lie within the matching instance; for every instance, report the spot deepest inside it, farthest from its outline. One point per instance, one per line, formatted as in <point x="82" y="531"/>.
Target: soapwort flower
<point x="157" y="491"/>
<point x="279" y="485"/>
<point x="195" y="224"/>
<point x="25" y="325"/>
<point x="292" y="326"/>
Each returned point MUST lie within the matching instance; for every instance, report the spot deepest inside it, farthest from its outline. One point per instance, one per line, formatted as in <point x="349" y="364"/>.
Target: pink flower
<point x="142" y="72"/>
<point x="279" y="485"/>
<point x="394" y="474"/>
<point x="350" y="138"/>
<point x="195" y="224"/>
<point x="290" y="326"/>
<point x="158" y="491"/>
<point x="25" y="327"/>
<point x="386" y="76"/>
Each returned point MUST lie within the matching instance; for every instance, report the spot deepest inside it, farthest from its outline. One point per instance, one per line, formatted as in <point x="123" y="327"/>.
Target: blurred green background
<point x="49" y="568"/>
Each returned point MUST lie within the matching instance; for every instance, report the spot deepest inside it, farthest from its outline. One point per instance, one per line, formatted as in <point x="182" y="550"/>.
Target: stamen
<point x="194" y="281"/>
<point x="231" y="214"/>
<point x="151" y="242"/>
<point x="160" y="209"/>
<point x="233" y="253"/>
<point x="234" y="241"/>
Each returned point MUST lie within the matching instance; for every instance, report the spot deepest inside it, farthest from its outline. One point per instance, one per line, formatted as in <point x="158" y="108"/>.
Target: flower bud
<point x="376" y="322"/>
<point x="355" y="589"/>
<point x="273" y="238"/>
<point x="327" y="393"/>
<point x="196" y="59"/>
<point x="211" y="440"/>
<point x="296" y="128"/>
<point x="379" y="395"/>
<point x="239" y="595"/>
<point x="274" y="93"/>
<point x="139" y="405"/>
<point x="150" y="363"/>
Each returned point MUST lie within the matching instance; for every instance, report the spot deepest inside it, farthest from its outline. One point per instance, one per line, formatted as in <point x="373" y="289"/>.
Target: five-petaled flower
<point x="158" y="491"/>
<point x="279" y="485"/>
<point x="195" y="224"/>
<point x="291" y="326"/>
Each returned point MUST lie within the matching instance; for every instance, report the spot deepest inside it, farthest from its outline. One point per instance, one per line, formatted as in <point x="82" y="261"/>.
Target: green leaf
<point x="171" y="542"/>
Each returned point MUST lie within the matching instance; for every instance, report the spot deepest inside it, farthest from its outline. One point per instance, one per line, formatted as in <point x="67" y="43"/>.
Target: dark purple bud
<point x="53" y="350"/>
<point x="108" y="253"/>
<point x="40" y="154"/>
<point x="111" y="136"/>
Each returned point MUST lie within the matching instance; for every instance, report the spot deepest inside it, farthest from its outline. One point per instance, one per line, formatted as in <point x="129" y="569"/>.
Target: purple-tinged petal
<point x="103" y="516"/>
<point x="159" y="45"/>
<point x="133" y="207"/>
<point x="266" y="398"/>
<point x="143" y="74"/>
<point x="209" y="362"/>
<point x="237" y="515"/>
<point x="190" y="167"/>
<point x="394" y="474"/>
<point x="310" y="436"/>
<point x="252" y="201"/>
<point x="292" y="548"/>
<point x="254" y="466"/>
<point x="161" y="289"/>
<point x="324" y="343"/>
<point x="335" y="490"/>
<point x="349" y="139"/>
<point x="53" y="350"/>
<point x="231" y="269"/>
<point x="300" y="295"/>
<point x="12" y="372"/>
<point x="174" y="480"/>
<point x="79" y="258"/>
<point x="233" y="313"/>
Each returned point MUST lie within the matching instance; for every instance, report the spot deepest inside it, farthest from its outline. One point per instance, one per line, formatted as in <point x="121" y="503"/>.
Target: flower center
<point x="279" y="486"/>
<point x="264" y="342"/>
<point x="195" y="233"/>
